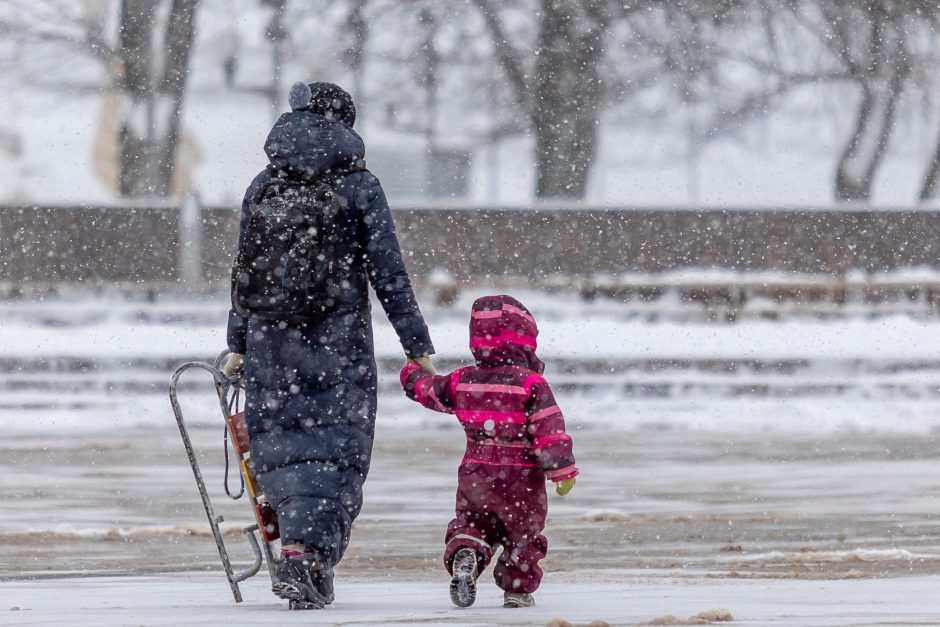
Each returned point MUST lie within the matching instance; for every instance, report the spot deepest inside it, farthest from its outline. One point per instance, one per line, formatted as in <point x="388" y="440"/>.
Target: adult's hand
<point x="233" y="364"/>
<point x="425" y="363"/>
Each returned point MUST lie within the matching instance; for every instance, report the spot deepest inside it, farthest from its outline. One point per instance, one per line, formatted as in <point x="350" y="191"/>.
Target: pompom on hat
<point x="326" y="99"/>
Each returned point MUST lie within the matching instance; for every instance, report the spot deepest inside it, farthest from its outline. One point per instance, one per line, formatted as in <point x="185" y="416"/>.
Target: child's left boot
<point x="463" y="587"/>
<point x="518" y="599"/>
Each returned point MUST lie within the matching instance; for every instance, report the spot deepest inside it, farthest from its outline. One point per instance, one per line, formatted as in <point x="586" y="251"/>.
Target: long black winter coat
<point x="311" y="387"/>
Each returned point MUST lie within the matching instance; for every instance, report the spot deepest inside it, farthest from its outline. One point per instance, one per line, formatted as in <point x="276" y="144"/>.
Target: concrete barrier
<point x="141" y="246"/>
<point x="88" y="244"/>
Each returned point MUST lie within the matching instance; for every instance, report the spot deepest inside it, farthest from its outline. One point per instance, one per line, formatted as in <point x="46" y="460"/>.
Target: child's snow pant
<point x="501" y="506"/>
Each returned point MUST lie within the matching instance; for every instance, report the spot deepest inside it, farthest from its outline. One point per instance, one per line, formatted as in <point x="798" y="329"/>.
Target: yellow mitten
<point x="564" y="486"/>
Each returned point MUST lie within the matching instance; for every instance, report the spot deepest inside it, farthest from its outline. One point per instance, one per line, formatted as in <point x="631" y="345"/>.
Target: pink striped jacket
<point x="505" y="405"/>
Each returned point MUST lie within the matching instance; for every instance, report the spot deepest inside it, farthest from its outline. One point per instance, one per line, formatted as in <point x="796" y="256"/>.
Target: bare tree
<point x="931" y="182"/>
<point x="356" y="29"/>
<point x="863" y="43"/>
<point x="147" y="61"/>
<point x="152" y="78"/>
<point x="562" y="92"/>
<point x="869" y="40"/>
<point x="925" y="73"/>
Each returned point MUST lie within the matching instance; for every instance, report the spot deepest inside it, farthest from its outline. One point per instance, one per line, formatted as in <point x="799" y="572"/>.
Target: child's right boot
<point x="463" y="586"/>
<point x="517" y="599"/>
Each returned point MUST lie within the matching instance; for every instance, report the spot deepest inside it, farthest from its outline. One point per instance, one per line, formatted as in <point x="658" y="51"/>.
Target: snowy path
<point x="725" y="486"/>
<point x="627" y="599"/>
<point x="788" y="529"/>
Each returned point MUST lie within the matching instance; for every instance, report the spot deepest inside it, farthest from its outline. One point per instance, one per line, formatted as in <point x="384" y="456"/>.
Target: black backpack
<point x="286" y="261"/>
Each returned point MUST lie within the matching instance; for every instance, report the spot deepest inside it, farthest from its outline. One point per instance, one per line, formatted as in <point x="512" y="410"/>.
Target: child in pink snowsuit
<point x="515" y="441"/>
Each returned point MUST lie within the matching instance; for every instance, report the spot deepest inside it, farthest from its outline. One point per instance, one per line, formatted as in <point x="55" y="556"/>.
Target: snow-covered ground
<point x="787" y="472"/>
<point x="107" y="528"/>
<point x="628" y="598"/>
<point x="613" y="368"/>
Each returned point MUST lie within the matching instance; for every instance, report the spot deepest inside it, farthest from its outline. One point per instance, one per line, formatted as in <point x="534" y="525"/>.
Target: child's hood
<point x="503" y="332"/>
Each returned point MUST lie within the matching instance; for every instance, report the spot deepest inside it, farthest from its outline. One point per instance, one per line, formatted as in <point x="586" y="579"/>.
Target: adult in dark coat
<point x="311" y="387"/>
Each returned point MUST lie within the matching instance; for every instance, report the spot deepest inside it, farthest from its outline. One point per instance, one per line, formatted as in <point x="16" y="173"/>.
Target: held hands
<point x="233" y="364"/>
<point x="564" y="486"/>
<point x="425" y="363"/>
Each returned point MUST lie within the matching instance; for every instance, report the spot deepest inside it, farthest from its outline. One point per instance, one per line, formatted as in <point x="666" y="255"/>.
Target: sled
<point x="265" y="524"/>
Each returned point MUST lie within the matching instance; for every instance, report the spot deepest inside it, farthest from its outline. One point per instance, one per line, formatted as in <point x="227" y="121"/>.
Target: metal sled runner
<point x="236" y="431"/>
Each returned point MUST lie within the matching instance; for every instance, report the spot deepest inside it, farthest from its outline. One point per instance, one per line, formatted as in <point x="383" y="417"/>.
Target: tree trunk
<point x="563" y="98"/>
<point x="881" y="90"/>
<point x="178" y="44"/>
<point x="566" y="103"/>
<point x="357" y="31"/>
<point x="136" y="154"/>
<point x="150" y="125"/>
<point x="928" y="189"/>
<point x="860" y="159"/>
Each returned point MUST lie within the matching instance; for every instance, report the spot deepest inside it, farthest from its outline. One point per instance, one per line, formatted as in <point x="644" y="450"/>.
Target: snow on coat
<point x="311" y="387"/>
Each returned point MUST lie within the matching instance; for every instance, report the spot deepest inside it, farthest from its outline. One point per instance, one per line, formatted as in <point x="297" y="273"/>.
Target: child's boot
<point x="518" y="599"/>
<point x="463" y="586"/>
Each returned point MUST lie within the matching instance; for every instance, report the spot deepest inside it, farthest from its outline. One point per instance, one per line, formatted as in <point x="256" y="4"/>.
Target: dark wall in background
<point x="142" y="245"/>
<point x="93" y="245"/>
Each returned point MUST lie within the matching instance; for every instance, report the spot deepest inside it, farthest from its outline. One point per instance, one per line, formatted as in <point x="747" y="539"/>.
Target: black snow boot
<point x="295" y="582"/>
<point x="463" y="587"/>
<point x="323" y="581"/>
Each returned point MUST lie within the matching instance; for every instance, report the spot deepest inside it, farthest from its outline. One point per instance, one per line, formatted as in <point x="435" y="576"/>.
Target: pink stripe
<point x="490" y="387"/>
<point x="466" y="415"/>
<point x="518" y="312"/>
<point x="531" y="381"/>
<point x="504" y="444"/>
<point x="544" y="413"/>
<point x="504" y="337"/>
<point x="548" y="440"/>
<point x="454" y="382"/>
<point x="480" y="461"/>
<point x="489" y="313"/>
<point x="562" y="473"/>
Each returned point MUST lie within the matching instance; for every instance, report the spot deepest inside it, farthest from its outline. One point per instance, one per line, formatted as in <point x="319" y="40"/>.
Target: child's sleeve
<point x="546" y="426"/>
<point x="432" y="391"/>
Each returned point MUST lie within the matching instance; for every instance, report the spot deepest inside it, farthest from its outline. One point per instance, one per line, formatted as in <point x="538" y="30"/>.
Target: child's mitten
<point x="564" y="486"/>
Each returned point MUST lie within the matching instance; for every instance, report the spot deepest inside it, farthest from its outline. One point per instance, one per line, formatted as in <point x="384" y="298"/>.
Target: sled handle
<point x="252" y="570"/>
<point x="218" y="363"/>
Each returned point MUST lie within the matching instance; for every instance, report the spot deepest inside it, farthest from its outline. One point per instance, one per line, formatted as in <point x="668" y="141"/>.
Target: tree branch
<point x="507" y="56"/>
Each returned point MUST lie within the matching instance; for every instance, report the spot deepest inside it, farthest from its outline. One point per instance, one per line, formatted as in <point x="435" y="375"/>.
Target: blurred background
<point x="706" y="102"/>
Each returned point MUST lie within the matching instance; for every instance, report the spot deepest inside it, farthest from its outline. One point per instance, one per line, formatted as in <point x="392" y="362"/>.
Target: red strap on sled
<point x="238" y="426"/>
<point x="268" y="518"/>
